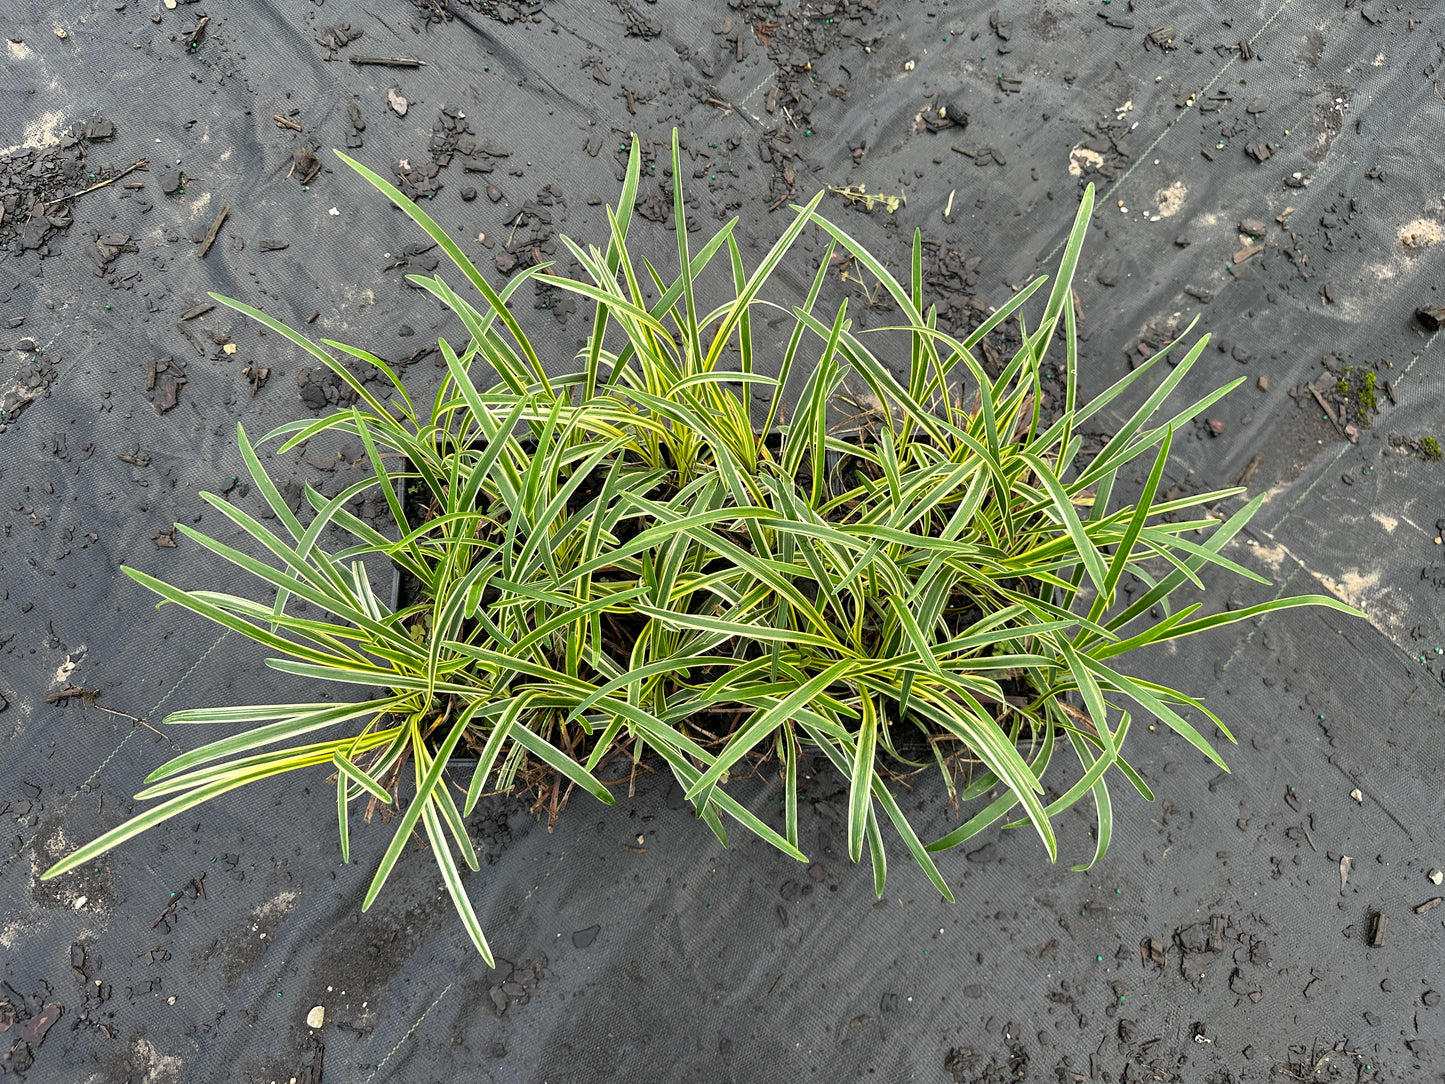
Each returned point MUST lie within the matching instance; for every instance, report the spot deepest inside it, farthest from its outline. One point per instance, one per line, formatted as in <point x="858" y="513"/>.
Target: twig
<point x="134" y="719"/>
<point x="211" y="233"/>
<point x="1329" y="410"/>
<point x="166" y="913"/>
<point x="142" y="164"/>
<point x="286" y="122"/>
<point x="390" y="61"/>
<point x="1250" y="468"/>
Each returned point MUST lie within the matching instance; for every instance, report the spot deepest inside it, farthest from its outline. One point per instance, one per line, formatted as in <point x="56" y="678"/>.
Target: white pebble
<point x="316" y="1017"/>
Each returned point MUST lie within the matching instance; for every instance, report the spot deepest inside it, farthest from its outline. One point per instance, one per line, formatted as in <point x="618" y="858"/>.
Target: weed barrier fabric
<point x="1229" y="933"/>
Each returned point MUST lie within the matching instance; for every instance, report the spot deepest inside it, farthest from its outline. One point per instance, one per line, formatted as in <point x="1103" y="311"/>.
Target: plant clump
<point x="724" y="559"/>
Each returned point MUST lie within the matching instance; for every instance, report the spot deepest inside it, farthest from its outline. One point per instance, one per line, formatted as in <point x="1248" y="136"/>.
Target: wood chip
<point x="211" y="237"/>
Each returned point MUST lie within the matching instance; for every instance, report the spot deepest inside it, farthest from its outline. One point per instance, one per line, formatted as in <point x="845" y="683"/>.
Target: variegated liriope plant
<point x="650" y="555"/>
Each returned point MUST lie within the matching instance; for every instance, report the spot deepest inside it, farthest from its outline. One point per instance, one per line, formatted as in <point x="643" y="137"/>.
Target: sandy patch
<point x="1080" y="157"/>
<point x="44" y="132"/>
<point x="1420" y="233"/>
<point x="1170" y="200"/>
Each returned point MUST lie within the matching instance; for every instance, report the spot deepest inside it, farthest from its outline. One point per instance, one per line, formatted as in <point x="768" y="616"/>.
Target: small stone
<point x="1216" y="426"/>
<point x="171" y="181"/>
<point x="469" y="194"/>
<point x="494" y="193"/>
<point x="1436" y="876"/>
<point x="1431" y="316"/>
<point x="1358" y="796"/>
<point x="1252" y="226"/>
<point x="396" y="101"/>
<point x="80" y="901"/>
<point x="1262" y="383"/>
<point x="316" y="1017"/>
